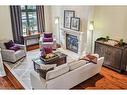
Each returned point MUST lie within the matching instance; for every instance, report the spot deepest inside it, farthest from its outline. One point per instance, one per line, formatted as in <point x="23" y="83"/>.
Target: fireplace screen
<point x="72" y="43"/>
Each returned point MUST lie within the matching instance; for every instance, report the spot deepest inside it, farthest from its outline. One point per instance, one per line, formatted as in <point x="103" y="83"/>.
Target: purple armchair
<point x="47" y="39"/>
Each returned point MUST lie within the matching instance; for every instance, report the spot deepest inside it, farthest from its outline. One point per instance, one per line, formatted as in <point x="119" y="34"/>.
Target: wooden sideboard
<point x="33" y="39"/>
<point x="115" y="57"/>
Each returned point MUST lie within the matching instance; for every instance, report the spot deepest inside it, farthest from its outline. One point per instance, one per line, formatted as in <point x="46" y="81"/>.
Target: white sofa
<point x="66" y="76"/>
<point x="10" y="55"/>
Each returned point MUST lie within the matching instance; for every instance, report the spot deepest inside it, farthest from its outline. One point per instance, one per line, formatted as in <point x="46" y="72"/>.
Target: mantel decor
<point x="75" y="23"/>
<point x="67" y="18"/>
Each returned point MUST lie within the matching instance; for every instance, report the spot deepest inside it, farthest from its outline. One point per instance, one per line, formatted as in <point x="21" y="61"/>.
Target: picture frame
<point x="67" y="18"/>
<point x="75" y="23"/>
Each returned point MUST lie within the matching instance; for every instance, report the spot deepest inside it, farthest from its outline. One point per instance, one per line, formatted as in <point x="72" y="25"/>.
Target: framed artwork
<point x="75" y="23"/>
<point x="67" y="18"/>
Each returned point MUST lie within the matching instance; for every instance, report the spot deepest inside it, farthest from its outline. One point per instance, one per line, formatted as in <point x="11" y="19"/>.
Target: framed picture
<point x="75" y="23"/>
<point x="67" y="18"/>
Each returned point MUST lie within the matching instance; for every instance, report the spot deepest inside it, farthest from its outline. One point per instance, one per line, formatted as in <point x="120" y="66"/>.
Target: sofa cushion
<point x="47" y="66"/>
<point x="48" y="39"/>
<point x="76" y="64"/>
<point x="47" y="35"/>
<point x="62" y="69"/>
<point x="9" y="44"/>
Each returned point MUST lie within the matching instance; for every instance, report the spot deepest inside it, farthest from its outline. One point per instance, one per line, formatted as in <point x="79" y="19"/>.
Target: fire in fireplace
<point x="72" y="43"/>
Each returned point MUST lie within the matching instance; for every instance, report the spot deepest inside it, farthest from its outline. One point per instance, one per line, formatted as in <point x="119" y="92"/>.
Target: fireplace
<point x="73" y="40"/>
<point x="72" y="43"/>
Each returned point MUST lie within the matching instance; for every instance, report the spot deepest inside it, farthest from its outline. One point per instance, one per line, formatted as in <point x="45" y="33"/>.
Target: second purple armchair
<point x="47" y="39"/>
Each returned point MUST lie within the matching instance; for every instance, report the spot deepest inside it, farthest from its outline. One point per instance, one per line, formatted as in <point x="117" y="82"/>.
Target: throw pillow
<point x="47" y="35"/>
<point x="90" y="58"/>
<point x="48" y="39"/>
<point x="9" y="44"/>
<point x="15" y="48"/>
<point x="47" y="49"/>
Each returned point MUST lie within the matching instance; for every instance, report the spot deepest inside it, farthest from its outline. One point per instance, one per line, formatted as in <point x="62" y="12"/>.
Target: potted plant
<point x="121" y="43"/>
<point x="103" y="38"/>
<point x="107" y="38"/>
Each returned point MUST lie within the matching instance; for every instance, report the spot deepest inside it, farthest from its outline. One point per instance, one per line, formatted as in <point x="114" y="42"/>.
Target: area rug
<point x="21" y="70"/>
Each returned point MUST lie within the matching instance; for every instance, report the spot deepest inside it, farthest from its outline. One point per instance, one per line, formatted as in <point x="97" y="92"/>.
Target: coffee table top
<point x="40" y="61"/>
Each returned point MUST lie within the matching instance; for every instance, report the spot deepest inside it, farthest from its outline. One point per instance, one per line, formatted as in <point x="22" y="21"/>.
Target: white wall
<point x="80" y="11"/>
<point x="5" y="23"/>
<point x="111" y="21"/>
<point x="47" y="14"/>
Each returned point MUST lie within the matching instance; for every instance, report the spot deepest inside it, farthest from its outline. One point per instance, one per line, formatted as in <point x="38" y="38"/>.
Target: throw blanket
<point x="90" y="58"/>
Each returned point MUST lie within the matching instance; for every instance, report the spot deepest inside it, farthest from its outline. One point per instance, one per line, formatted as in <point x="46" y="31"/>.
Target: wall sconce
<point x="91" y="28"/>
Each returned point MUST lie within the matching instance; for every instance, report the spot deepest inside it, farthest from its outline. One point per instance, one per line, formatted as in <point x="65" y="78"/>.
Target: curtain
<point x="40" y="18"/>
<point x="15" y="12"/>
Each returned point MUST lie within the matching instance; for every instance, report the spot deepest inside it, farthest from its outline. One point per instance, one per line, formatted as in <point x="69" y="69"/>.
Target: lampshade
<point x="56" y="20"/>
<point x="91" y="26"/>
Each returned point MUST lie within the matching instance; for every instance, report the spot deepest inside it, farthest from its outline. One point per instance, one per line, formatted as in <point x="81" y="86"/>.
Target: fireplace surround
<point x="75" y="38"/>
<point x="72" y="43"/>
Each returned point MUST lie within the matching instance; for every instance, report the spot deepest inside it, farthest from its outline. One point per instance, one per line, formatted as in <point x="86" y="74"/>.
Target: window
<point x="29" y="19"/>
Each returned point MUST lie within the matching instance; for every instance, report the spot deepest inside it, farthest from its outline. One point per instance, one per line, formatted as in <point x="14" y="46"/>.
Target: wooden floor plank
<point x="32" y="47"/>
<point x="5" y="83"/>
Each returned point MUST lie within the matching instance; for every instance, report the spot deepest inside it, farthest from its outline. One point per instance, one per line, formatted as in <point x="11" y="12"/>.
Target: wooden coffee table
<point x="61" y="59"/>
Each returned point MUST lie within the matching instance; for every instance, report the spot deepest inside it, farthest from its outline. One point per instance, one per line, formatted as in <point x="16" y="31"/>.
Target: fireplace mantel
<point x="80" y="37"/>
<point x="70" y="31"/>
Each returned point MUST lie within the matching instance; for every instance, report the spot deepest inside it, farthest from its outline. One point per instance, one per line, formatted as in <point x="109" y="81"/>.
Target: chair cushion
<point x="47" y="35"/>
<point x="15" y="48"/>
<point x="9" y="44"/>
<point x="76" y="64"/>
<point x="62" y="69"/>
<point x="48" y="39"/>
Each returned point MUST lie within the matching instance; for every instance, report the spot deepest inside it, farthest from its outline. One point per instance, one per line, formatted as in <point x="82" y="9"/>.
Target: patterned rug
<point x="21" y="70"/>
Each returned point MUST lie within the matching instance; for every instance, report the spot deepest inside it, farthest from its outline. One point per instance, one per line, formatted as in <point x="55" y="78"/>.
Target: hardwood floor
<point x="107" y="79"/>
<point x="32" y="47"/>
<point x="5" y="83"/>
